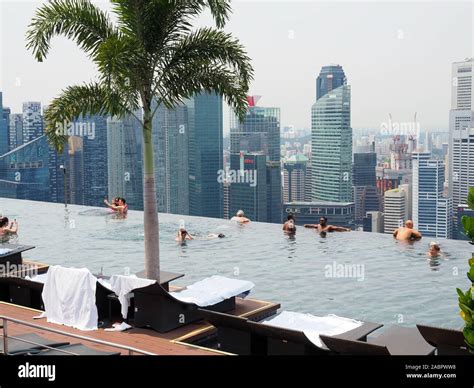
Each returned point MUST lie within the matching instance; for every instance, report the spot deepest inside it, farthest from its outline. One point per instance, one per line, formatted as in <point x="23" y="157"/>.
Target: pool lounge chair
<point x="11" y="253"/>
<point x="164" y="311"/>
<point x="17" y="347"/>
<point x="22" y="292"/>
<point x="239" y="335"/>
<point x="447" y="341"/>
<point x="396" y="340"/>
<point x="76" y="350"/>
<point x="27" y="292"/>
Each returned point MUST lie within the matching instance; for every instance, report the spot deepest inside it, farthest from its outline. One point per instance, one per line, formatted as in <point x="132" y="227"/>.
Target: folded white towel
<point x="312" y="326"/>
<point x="213" y="290"/>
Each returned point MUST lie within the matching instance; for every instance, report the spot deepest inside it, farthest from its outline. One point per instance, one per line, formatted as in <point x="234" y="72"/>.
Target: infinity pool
<point x="367" y="276"/>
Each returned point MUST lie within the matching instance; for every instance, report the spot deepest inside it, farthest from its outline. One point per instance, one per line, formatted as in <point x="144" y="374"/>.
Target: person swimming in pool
<point x="240" y="217"/>
<point x="183" y="235"/>
<point x="289" y="226"/>
<point x="434" y="250"/>
<point x="215" y="235"/>
<point x="407" y="233"/>
<point x="7" y="227"/>
<point x="324" y="227"/>
<point x="118" y="205"/>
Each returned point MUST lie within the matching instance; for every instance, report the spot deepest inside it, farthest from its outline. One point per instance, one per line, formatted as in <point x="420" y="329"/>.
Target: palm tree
<point x="150" y="53"/>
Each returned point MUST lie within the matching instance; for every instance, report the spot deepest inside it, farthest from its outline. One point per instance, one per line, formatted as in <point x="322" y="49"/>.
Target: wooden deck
<point x="172" y="343"/>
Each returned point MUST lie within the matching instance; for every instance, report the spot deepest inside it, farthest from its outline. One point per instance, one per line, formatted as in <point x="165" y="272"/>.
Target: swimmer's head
<point x="409" y="224"/>
<point x="3" y="222"/>
<point x="240" y="213"/>
<point x="435" y="246"/>
<point x="290" y="217"/>
<point x="221" y="235"/>
<point x="323" y="221"/>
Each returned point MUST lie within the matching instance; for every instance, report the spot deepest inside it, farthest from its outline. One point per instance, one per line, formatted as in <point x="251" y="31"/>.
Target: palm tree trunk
<point x="152" y="236"/>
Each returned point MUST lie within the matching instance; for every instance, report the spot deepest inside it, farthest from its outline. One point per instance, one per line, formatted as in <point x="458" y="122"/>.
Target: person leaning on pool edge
<point x="324" y="227"/>
<point x="407" y="233"/>
<point x="289" y="225"/>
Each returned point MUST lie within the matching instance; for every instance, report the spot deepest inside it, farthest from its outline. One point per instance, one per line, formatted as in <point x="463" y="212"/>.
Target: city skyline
<point x="399" y="41"/>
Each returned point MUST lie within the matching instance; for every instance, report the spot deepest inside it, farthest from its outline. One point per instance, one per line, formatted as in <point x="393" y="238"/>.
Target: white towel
<point x="40" y="278"/>
<point x="312" y="326"/>
<point x="123" y="285"/>
<point x="213" y="290"/>
<point x="69" y="297"/>
<point x="4" y="251"/>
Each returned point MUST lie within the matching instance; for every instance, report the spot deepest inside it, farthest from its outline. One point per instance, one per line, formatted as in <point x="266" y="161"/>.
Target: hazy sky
<point x="396" y="55"/>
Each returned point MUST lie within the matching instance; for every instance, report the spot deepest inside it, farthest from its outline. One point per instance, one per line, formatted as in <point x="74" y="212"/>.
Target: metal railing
<point x="5" y="336"/>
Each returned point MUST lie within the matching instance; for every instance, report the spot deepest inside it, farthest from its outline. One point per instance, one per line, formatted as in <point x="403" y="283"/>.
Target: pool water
<point x="366" y="276"/>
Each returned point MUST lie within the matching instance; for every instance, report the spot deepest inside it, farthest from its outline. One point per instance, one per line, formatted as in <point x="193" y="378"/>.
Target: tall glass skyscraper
<point x="4" y="127"/>
<point x="24" y="171"/>
<point x="16" y="130"/>
<point x="124" y="154"/>
<point x="32" y="121"/>
<point x="461" y="132"/>
<point x="329" y="78"/>
<point x="432" y="212"/>
<point x="170" y="145"/>
<point x="258" y="134"/>
<point x="331" y="146"/>
<point x="205" y="155"/>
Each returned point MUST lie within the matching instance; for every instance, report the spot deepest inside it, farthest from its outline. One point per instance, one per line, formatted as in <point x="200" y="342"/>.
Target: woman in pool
<point x="118" y="205"/>
<point x="434" y="250"/>
<point x="7" y="228"/>
<point x="183" y="235"/>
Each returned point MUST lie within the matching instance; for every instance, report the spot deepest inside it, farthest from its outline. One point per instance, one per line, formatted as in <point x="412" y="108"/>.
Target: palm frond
<point x="196" y="58"/>
<point x="79" y="101"/>
<point x="78" y="20"/>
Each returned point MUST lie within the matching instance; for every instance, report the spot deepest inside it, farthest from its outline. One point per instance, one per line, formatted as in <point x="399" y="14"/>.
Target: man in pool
<point x="407" y="233"/>
<point x="240" y="217"/>
<point x="289" y="225"/>
<point x="118" y="205"/>
<point x="324" y="227"/>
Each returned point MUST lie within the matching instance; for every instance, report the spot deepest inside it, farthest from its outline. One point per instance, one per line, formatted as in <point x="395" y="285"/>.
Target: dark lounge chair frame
<point x="28" y="344"/>
<point x="27" y="293"/>
<point x="447" y="341"/>
<point x="158" y="309"/>
<point x="14" y="256"/>
<point x="242" y="336"/>
<point x="396" y="340"/>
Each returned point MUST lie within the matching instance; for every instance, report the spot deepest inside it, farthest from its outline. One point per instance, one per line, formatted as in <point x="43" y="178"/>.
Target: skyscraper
<point x="432" y="213"/>
<point x="24" y="171"/>
<point x="32" y="121"/>
<point x="294" y="179"/>
<point x="331" y="145"/>
<point x="395" y="209"/>
<point x="330" y="77"/>
<point x="258" y="134"/>
<point x="16" y="130"/>
<point x="95" y="172"/>
<point x="461" y="132"/>
<point x="205" y="154"/>
<point x="124" y="154"/>
<point x="4" y="127"/>
<point x="170" y="145"/>
<point x="366" y="197"/>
